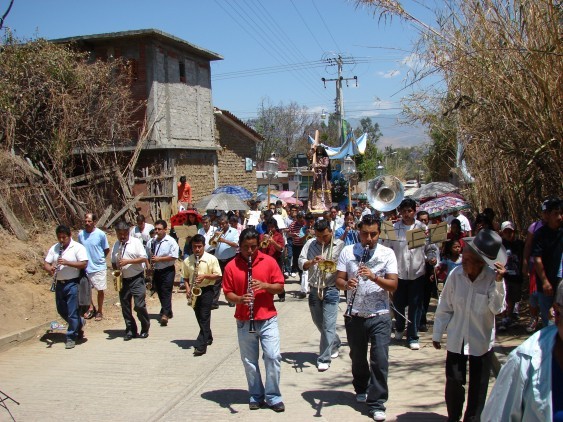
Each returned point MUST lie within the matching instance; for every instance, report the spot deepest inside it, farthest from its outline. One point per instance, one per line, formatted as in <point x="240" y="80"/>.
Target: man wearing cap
<point x="513" y="278"/>
<point x="472" y="296"/>
<point x="547" y="250"/>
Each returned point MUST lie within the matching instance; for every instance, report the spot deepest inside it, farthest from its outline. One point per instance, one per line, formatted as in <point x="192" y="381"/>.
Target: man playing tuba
<point x="202" y="276"/>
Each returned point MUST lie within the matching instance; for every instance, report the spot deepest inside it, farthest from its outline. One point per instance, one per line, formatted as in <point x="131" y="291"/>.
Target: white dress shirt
<point x="166" y="247"/>
<point x="73" y="252"/>
<point x="144" y="235"/>
<point x="411" y="262"/>
<point x="208" y="235"/>
<point x="371" y="299"/>
<point x="224" y="251"/>
<point x="466" y="310"/>
<point x="465" y="225"/>
<point x="312" y="249"/>
<point x="132" y="249"/>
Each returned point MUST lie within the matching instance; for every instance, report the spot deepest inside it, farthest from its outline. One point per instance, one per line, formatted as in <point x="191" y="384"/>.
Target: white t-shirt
<point x="370" y="297"/>
<point x="465" y="225"/>
<point x="73" y="252"/>
<point x="132" y="249"/>
<point x="141" y="235"/>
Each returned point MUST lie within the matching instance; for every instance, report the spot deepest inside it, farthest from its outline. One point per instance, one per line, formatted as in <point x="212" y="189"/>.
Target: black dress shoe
<point x="255" y="406"/>
<point x="144" y="334"/>
<point x="282" y="299"/>
<point x="210" y="342"/>
<point x="423" y="328"/>
<point x="278" y="407"/>
<point x="129" y="336"/>
<point x="214" y="306"/>
<point x="199" y="352"/>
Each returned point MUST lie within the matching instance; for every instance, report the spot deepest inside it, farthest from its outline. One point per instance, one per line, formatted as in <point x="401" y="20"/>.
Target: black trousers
<point x="296" y="252"/>
<point x="430" y="290"/>
<point x="163" y="281"/>
<point x="202" y="313"/>
<point x="134" y="288"/>
<point x="456" y="371"/>
<point x="370" y="378"/>
<point x="219" y="283"/>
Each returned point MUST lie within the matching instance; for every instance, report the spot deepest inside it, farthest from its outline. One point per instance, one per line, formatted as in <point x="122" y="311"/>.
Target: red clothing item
<point x="458" y="237"/>
<point x="184" y="192"/>
<point x="235" y="280"/>
<point x="295" y="228"/>
<point x="271" y="250"/>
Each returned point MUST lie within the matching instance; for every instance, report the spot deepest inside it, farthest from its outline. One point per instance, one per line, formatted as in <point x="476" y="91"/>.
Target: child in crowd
<point x="451" y="258"/>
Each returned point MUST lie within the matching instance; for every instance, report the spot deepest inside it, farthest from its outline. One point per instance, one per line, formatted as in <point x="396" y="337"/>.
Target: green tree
<point x="367" y="163"/>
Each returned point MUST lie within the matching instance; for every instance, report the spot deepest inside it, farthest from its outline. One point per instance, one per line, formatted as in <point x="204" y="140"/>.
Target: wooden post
<point x="13" y="221"/>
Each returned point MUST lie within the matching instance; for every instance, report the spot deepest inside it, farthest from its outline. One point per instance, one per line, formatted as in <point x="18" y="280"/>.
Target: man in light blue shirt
<point x="227" y="245"/>
<point x="97" y="247"/>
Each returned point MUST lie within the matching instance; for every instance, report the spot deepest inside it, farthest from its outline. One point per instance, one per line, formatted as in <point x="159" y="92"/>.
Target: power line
<point x="326" y="26"/>
<point x="307" y="26"/>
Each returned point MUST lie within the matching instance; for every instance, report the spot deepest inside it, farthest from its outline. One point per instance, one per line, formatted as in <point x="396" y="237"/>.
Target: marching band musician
<point x="347" y="233"/>
<point x="165" y="255"/>
<point x="207" y="231"/>
<point x="129" y="255"/>
<point x="370" y="320"/>
<point x="267" y="280"/>
<point x="274" y="244"/>
<point x="323" y="310"/>
<point x="208" y="272"/>
<point x="64" y="262"/>
<point x="225" y="251"/>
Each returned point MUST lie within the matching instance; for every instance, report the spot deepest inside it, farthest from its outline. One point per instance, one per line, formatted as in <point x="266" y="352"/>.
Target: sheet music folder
<point x="438" y="232"/>
<point x="387" y="231"/>
<point x="416" y="238"/>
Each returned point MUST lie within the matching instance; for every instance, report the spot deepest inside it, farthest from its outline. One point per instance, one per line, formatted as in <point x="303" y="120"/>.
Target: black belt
<point x="132" y="278"/>
<point x="72" y="280"/>
<point x="169" y="268"/>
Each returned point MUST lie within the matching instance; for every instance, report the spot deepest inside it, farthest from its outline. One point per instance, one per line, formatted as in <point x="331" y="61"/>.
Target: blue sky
<point x="273" y="50"/>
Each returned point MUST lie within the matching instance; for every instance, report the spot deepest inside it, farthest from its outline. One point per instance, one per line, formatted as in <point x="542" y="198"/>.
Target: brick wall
<point x="235" y="147"/>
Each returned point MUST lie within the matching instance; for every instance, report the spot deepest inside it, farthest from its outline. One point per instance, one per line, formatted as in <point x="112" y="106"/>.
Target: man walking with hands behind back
<point x="473" y="294"/>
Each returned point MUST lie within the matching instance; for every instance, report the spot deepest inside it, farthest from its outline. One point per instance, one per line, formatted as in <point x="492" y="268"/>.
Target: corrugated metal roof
<point x="235" y="119"/>
<point x="143" y="33"/>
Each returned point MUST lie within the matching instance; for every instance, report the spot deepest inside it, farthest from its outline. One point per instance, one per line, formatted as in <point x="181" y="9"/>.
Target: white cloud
<point x="389" y="74"/>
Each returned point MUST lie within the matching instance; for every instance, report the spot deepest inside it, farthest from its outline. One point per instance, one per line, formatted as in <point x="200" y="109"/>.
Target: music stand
<point x="3" y="398"/>
<point x="416" y="238"/>
<point x="438" y="232"/>
<point x="387" y="231"/>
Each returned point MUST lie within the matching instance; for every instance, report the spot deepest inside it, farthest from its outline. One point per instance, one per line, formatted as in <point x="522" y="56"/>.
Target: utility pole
<point x="339" y="101"/>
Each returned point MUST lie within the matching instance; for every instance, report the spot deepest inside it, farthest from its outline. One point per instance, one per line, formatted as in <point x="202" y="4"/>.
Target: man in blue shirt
<point x="97" y="247"/>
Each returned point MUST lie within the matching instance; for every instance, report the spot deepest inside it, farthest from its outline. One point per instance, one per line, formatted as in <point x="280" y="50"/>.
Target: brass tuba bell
<point x="385" y="193"/>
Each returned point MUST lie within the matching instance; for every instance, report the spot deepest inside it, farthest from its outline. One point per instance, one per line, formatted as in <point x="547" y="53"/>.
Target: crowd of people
<point x="478" y="273"/>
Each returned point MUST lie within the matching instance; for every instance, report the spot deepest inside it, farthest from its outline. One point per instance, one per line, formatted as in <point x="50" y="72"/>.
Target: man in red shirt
<point x="184" y="191"/>
<point x="266" y="281"/>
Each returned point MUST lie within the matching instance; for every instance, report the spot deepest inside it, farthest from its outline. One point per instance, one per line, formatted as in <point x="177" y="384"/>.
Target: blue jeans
<point x="411" y="293"/>
<point x="324" y="313"/>
<point x="268" y="335"/>
<point x="545" y="303"/>
<point x="66" y="299"/>
<point x="370" y="377"/>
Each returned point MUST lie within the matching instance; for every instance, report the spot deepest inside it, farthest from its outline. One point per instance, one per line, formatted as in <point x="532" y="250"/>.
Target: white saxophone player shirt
<point x="132" y="249"/>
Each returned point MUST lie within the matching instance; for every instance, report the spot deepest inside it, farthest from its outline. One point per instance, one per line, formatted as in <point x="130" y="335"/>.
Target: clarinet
<point x="57" y="268"/>
<point x="251" y="328"/>
<point x="364" y="259"/>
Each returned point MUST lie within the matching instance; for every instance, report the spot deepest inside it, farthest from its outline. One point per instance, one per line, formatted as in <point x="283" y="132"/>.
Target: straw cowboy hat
<point x="488" y="246"/>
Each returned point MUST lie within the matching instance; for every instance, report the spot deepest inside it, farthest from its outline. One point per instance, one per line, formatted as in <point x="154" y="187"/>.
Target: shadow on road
<point x="185" y="344"/>
<point x="226" y="398"/>
<point x="50" y="338"/>
<point x="298" y="360"/>
<point x="113" y="334"/>
<point x="421" y="416"/>
<point x="323" y="398"/>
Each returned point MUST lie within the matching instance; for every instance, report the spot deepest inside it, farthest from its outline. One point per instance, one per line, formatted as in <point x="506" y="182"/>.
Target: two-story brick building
<point x="188" y="136"/>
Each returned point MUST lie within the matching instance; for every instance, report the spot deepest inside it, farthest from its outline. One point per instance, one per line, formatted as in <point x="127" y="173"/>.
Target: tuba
<point x="118" y="274"/>
<point x="385" y="193"/>
<point x="195" y="291"/>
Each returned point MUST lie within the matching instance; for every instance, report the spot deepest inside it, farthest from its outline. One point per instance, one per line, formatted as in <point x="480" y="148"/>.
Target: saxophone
<point x="118" y="274"/>
<point x="195" y="291"/>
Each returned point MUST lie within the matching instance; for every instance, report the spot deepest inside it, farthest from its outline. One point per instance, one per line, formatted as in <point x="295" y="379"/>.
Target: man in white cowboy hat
<point x="474" y="293"/>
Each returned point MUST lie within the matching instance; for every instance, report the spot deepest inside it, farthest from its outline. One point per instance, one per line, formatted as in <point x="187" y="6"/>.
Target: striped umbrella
<point x="239" y="191"/>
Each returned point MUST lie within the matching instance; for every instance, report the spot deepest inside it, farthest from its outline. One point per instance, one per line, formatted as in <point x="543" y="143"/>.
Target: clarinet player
<point x="369" y="271"/>
<point x="256" y="293"/>
<point x="203" y="275"/>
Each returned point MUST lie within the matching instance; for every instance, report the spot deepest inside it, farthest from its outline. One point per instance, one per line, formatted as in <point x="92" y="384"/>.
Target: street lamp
<point x="297" y="178"/>
<point x="271" y="171"/>
<point x="323" y="114"/>
<point x="348" y="170"/>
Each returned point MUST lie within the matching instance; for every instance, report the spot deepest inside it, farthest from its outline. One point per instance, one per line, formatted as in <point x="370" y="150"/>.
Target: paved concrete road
<point x="158" y="379"/>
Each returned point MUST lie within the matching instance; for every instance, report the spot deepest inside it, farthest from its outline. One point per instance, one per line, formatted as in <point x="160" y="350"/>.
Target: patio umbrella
<point x="433" y="189"/>
<point x="284" y="194"/>
<point x="239" y="191"/>
<point x="443" y="205"/>
<point x="221" y="201"/>
<point x="181" y="218"/>
<point x="293" y="201"/>
<point x="262" y="197"/>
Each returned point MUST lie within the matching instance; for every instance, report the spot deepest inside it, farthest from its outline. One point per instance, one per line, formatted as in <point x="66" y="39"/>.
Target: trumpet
<point x="195" y="291"/>
<point x="118" y="274"/>
<point x="214" y="241"/>
<point x="266" y="242"/>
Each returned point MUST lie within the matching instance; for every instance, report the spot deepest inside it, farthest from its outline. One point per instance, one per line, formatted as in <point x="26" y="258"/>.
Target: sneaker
<point x="294" y="274"/>
<point x="361" y="397"/>
<point x="378" y="415"/>
<point x="335" y="354"/>
<point x="323" y="366"/>
<point x="255" y="406"/>
<point x="532" y="325"/>
<point x="70" y="343"/>
<point x="399" y="335"/>
<point x="413" y="346"/>
<point x="278" y="407"/>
